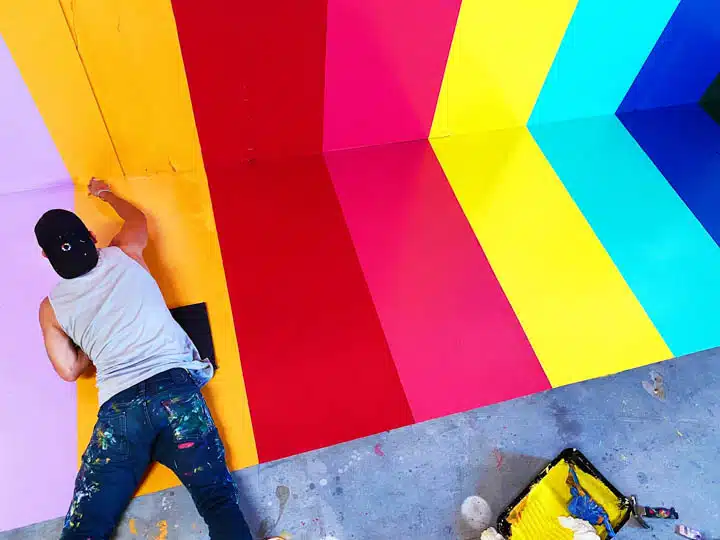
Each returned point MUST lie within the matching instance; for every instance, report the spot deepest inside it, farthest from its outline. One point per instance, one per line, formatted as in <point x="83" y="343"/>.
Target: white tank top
<point x="117" y="315"/>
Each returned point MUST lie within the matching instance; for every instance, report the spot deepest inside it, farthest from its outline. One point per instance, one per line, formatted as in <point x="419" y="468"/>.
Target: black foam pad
<point x="196" y="323"/>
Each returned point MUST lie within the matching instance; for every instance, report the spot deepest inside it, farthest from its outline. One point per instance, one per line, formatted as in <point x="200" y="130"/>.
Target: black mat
<point x="194" y="320"/>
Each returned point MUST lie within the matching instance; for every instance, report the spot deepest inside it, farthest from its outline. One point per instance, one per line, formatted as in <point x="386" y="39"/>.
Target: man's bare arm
<point x="69" y="362"/>
<point x="133" y="236"/>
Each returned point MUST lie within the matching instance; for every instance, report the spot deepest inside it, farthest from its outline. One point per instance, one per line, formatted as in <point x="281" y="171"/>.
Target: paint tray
<point x="533" y="515"/>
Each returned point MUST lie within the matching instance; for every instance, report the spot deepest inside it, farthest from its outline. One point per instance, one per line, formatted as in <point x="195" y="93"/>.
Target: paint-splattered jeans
<point x="163" y="419"/>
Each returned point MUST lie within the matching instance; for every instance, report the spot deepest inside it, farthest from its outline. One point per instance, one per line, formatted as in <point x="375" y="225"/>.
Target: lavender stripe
<point x="38" y="425"/>
<point x="28" y="158"/>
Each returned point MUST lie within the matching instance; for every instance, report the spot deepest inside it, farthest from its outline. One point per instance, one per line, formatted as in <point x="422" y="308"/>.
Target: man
<point x="108" y="310"/>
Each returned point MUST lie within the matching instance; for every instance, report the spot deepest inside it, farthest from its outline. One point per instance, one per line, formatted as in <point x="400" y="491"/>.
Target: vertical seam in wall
<point x="75" y="40"/>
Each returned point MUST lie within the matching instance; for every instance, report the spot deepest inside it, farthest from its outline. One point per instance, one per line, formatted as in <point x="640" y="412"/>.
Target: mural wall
<point x="394" y="210"/>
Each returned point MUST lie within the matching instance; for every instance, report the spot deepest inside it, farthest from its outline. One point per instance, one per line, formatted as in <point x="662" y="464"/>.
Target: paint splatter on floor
<point x="378" y="450"/>
<point x="655" y="386"/>
<point x="162" y="530"/>
<point x="132" y="526"/>
<point x="267" y="526"/>
<point x="498" y="459"/>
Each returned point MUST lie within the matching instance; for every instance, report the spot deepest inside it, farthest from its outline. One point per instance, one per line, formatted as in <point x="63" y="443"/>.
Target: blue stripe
<point x="684" y="144"/>
<point x="604" y="48"/>
<point x="667" y="258"/>
<point x="683" y="63"/>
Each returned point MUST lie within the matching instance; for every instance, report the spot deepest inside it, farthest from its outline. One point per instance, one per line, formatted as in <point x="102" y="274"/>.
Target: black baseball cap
<point x="67" y="243"/>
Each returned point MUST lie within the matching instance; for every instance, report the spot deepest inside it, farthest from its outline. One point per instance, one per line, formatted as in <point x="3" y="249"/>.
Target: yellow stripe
<point x="581" y="317"/>
<point x="499" y="58"/>
<point x="131" y="51"/>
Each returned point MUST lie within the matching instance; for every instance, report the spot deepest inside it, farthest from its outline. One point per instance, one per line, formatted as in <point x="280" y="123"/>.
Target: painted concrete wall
<point x="360" y="290"/>
<point x="37" y="409"/>
<point x="29" y="157"/>
<point x="604" y="48"/>
<point x="684" y="61"/>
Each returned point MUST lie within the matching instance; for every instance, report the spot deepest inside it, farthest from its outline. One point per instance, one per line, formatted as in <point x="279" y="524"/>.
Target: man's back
<point x="109" y="310"/>
<point x="117" y="315"/>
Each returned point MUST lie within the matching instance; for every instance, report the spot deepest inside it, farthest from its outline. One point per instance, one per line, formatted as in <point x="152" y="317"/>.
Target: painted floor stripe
<point x="684" y="144"/>
<point x="453" y="335"/>
<point x="663" y="252"/>
<point x="579" y="314"/>
<point x="317" y="365"/>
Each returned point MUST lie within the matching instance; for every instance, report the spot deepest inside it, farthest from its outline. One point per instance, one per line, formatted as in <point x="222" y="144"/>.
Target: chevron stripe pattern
<point x="394" y="210"/>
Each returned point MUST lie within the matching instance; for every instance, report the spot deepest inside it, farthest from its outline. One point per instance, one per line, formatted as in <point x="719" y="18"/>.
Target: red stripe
<point x="256" y="72"/>
<point x="317" y="368"/>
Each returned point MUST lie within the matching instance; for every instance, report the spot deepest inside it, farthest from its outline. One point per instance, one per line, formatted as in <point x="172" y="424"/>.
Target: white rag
<point x="582" y="529"/>
<point x="491" y="534"/>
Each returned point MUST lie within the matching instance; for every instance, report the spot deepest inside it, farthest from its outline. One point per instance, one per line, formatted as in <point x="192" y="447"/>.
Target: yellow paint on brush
<point x="132" y="54"/>
<point x="580" y="316"/>
<point x="499" y="58"/>
<point x="548" y="500"/>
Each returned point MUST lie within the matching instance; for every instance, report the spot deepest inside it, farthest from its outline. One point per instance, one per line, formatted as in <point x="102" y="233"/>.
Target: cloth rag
<point x="582" y="530"/>
<point x="491" y="534"/>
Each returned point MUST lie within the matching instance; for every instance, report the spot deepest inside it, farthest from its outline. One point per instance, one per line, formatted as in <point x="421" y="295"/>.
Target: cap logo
<point x="66" y="246"/>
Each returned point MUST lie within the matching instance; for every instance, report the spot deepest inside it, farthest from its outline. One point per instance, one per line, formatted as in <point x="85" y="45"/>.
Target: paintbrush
<point x="655" y="512"/>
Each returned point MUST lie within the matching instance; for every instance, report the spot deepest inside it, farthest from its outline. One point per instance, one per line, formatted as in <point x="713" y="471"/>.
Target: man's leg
<point x="191" y="447"/>
<point x="112" y="467"/>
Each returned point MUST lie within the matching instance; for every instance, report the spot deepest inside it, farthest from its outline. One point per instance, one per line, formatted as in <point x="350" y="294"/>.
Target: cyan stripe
<point x="666" y="256"/>
<point x="602" y="52"/>
<point x="684" y="144"/>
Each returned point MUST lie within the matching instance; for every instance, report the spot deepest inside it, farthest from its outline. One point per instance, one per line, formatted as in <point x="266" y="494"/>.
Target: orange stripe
<point x="146" y="103"/>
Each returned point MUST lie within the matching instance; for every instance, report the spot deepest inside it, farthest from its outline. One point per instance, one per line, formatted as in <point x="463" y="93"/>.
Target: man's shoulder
<point x="116" y="255"/>
<point x="47" y="313"/>
<point x="120" y="252"/>
<point x="111" y="251"/>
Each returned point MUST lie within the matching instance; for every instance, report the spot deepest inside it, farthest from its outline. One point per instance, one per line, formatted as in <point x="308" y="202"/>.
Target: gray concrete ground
<point x="410" y="483"/>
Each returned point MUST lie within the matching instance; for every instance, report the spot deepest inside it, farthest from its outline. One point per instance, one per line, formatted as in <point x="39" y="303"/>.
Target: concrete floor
<point x="410" y="483"/>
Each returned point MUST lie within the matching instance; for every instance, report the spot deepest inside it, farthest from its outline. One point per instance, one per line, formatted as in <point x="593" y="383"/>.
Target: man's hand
<point x="98" y="188"/>
<point x="133" y="236"/>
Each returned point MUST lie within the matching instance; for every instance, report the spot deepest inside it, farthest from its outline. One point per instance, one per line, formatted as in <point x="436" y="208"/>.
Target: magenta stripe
<point x="455" y="339"/>
<point x="38" y="427"/>
<point x="384" y="67"/>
